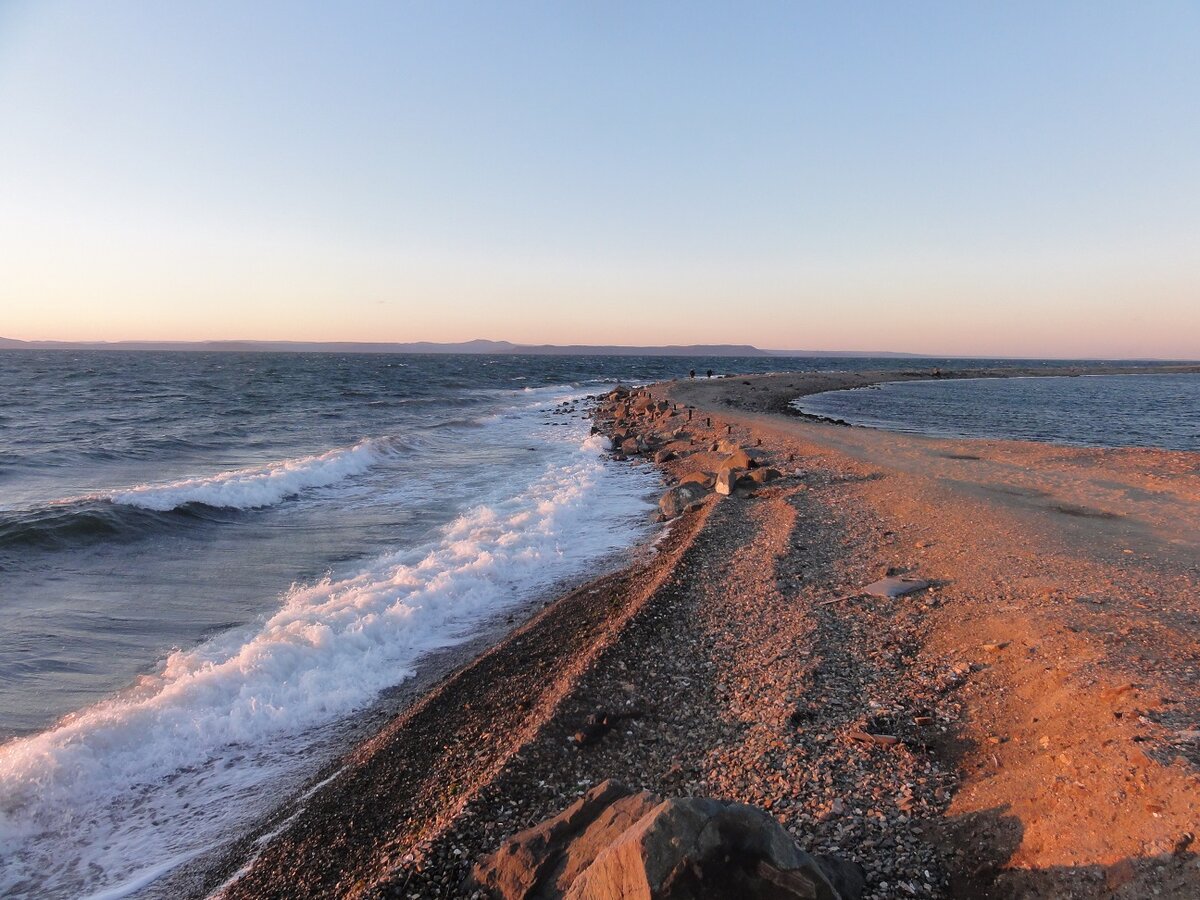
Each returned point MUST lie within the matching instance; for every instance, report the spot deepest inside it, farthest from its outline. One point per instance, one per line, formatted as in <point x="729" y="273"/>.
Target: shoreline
<point x="218" y="867"/>
<point x="984" y="375"/>
<point x="845" y="511"/>
<point x="824" y="382"/>
<point x="487" y="708"/>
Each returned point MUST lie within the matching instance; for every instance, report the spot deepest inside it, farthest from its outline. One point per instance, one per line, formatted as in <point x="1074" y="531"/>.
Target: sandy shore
<point x="1044" y="691"/>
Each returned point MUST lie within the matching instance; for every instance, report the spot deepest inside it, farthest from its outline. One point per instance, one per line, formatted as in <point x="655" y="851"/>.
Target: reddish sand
<point x="1071" y="578"/>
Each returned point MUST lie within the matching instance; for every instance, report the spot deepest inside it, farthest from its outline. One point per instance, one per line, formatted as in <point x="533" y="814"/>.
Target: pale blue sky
<point x="1019" y="179"/>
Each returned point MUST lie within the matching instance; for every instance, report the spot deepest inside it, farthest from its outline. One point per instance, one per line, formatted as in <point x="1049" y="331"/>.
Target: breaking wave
<point x="258" y="486"/>
<point x="118" y="792"/>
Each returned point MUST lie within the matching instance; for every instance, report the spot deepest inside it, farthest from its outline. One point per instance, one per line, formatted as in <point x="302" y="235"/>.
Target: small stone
<point x="892" y="587"/>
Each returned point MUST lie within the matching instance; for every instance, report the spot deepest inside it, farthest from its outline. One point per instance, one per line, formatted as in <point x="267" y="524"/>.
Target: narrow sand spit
<point x="1044" y="690"/>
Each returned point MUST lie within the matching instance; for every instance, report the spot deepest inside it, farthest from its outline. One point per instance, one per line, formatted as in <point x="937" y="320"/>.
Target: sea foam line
<point x="256" y="486"/>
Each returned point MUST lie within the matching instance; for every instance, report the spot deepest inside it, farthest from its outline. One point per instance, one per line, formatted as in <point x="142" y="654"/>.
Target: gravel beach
<point x="1028" y="725"/>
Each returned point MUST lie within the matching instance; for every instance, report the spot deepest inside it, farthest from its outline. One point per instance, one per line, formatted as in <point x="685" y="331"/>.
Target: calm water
<point x="208" y="560"/>
<point x="1104" y="411"/>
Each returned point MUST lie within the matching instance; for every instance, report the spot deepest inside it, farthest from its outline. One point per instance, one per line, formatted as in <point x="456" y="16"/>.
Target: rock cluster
<point x="640" y="426"/>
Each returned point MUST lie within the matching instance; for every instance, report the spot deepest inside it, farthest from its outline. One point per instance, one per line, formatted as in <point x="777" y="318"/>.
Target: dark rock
<point x="680" y="497"/>
<point x="598" y="724"/>
<point x="846" y="876"/>
<point x="595" y="727"/>
<point x="801" y="713"/>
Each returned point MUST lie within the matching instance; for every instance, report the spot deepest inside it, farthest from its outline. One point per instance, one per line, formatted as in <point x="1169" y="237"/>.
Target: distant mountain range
<point x="477" y="346"/>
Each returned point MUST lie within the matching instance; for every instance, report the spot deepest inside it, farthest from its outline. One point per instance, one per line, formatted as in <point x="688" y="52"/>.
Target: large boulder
<point x="740" y="459"/>
<point x="705" y="479"/>
<point x="615" y="843"/>
<point x="542" y="862"/>
<point x="643" y="403"/>
<point x="727" y="480"/>
<point x="693" y="848"/>
<point x="680" y="497"/>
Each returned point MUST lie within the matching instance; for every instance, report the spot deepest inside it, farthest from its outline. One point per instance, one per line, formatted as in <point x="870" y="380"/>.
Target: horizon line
<point x="449" y="347"/>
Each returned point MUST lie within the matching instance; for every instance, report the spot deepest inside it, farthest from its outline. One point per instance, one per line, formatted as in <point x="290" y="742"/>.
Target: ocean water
<point x="1157" y="410"/>
<point x="210" y="560"/>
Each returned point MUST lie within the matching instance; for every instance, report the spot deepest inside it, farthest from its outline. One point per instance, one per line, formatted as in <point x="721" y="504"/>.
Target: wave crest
<point x="256" y="486"/>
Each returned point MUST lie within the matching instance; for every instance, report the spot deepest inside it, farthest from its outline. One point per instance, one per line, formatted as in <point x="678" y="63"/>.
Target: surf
<point x="205" y="744"/>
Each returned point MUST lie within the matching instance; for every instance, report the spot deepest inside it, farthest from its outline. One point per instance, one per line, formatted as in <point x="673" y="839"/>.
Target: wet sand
<point x="1044" y="691"/>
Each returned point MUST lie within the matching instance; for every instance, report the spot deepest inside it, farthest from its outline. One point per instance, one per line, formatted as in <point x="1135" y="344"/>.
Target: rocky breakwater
<point x="696" y="463"/>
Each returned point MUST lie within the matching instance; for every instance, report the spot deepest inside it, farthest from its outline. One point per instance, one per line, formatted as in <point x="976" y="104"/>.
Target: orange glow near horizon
<point x="831" y="313"/>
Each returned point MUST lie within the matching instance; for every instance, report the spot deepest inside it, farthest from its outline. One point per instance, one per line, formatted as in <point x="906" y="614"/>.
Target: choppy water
<point x="1100" y="411"/>
<point x="208" y="559"/>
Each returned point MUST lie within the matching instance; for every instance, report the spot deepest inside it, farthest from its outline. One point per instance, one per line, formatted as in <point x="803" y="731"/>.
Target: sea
<point x="211" y="562"/>
<point x="1145" y="410"/>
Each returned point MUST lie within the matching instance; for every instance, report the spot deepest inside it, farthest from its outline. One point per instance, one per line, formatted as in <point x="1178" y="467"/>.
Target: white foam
<point x="259" y="486"/>
<point x="111" y="795"/>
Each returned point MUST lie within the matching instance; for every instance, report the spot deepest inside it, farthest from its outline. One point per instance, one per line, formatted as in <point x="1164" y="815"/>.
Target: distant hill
<point x="668" y="350"/>
<point x="476" y="346"/>
<point x="875" y="354"/>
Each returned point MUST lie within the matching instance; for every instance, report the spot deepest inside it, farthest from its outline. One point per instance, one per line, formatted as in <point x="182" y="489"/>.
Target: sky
<point x="1018" y="179"/>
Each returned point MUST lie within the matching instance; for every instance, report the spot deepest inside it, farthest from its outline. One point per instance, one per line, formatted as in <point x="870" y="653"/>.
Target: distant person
<point x="692" y="374"/>
<point x="710" y="373"/>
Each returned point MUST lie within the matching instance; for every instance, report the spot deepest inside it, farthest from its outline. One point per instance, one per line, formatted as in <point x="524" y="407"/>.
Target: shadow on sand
<point x="988" y="839"/>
